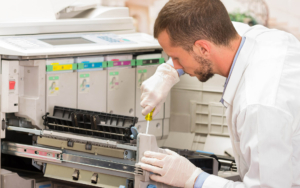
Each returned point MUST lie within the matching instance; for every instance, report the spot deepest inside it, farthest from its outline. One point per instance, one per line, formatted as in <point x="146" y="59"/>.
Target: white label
<point x="113" y="81"/>
<point x="84" y="83"/>
<point x="53" y="87"/>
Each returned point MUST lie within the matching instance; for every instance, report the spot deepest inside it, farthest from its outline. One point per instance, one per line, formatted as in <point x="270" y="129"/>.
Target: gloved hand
<point x="155" y="89"/>
<point x="170" y="168"/>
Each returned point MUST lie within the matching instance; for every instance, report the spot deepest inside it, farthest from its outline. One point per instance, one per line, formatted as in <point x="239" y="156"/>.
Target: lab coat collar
<point x="238" y="70"/>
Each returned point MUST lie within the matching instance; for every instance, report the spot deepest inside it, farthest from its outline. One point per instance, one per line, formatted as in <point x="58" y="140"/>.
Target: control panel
<point x="72" y="40"/>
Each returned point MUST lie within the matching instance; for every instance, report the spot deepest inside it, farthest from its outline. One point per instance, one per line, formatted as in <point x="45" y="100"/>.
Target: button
<point x="94" y="178"/>
<point x="12" y="84"/>
<point x="88" y="146"/>
<point x="75" y="175"/>
<point x="70" y="143"/>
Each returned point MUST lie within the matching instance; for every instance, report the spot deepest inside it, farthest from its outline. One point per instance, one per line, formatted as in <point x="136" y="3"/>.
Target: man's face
<point x="190" y="62"/>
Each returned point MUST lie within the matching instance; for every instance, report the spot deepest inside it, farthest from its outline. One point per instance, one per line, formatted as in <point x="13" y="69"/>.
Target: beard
<point x="204" y="72"/>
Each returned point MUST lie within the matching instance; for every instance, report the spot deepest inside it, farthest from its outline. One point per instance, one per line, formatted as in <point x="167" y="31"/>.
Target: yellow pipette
<point x="148" y="117"/>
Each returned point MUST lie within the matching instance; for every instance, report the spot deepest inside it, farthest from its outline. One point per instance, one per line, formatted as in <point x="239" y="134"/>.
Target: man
<point x="261" y="93"/>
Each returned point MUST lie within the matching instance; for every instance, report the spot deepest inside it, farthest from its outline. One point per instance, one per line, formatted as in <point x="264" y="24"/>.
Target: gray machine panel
<point x="93" y="97"/>
<point x="120" y="98"/>
<point x="143" y="73"/>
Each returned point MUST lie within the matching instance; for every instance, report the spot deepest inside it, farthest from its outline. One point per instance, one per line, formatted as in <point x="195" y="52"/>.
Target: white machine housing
<point x="37" y="73"/>
<point x="41" y="70"/>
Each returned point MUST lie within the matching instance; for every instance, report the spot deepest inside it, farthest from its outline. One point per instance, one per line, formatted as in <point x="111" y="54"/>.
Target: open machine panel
<point x="76" y="116"/>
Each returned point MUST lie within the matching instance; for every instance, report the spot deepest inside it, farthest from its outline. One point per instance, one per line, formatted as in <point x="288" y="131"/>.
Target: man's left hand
<point x="170" y="168"/>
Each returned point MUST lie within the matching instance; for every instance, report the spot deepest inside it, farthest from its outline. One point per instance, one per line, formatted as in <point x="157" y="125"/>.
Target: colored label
<point x="53" y="86"/>
<point x="141" y="62"/>
<point x="114" y="73"/>
<point x="62" y="67"/>
<point x="12" y="84"/>
<point x="114" y="63"/>
<point x="142" y="71"/>
<point x="84" y="83"/>
<point x="53" y="77"/>
<point x="57" y="67"/>
<point x="84" y="75"/>
<point x="113" y="81"/>
<point x="150" y="61"/>
<point x="94" y="65"/>
<point x="122" y="63"/>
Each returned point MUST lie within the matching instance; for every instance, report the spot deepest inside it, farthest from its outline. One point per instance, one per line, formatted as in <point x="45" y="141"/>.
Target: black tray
<point x="92" y="123"/>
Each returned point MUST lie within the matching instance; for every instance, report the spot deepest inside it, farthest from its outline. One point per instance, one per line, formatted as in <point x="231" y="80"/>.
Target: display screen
<point x="66" y="41"/>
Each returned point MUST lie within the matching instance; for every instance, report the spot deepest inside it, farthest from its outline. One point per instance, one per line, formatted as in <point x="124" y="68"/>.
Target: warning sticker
<point x="53" y="85"/>
<point x="84" y="83"/>
<point x="141" y="77"/>
<point x="113" y="80"/>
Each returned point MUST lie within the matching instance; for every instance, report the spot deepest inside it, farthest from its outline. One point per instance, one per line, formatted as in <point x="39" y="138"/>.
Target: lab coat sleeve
<point x="264" y="134"/>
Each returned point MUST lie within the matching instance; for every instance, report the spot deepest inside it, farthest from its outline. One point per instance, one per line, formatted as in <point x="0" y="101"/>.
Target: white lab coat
<point x="263" y="111"/>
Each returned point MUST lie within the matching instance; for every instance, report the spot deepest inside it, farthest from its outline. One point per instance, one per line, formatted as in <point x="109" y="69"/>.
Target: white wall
<point x="286" y="14"/>
<point x="283" y="14"/>
<point x="233" y="5"/>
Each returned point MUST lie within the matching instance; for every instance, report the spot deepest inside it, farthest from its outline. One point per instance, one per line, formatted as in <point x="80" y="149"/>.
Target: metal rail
<point x="104" y="164"/>
<point x="33" y="152"/>
<point x="74" y="137"/>
<point x="57" y="156"/>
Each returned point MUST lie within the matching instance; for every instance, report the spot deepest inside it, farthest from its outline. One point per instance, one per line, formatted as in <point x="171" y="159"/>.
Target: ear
<point x="202" y="48"/>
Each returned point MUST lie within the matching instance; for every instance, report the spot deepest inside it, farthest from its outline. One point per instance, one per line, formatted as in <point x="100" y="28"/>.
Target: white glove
<point x="155" y="89"/>
<point x="170" y="168"/>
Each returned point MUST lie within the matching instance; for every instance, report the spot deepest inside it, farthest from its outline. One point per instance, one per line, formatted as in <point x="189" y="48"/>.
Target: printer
<point x="69" y="97"/>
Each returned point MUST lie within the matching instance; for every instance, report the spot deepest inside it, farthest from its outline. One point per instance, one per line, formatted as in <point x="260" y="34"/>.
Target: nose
<point x="177" y="65"/>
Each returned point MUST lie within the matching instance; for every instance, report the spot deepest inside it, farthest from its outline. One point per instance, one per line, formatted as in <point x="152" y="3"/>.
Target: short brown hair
<point x="187" y="21"/>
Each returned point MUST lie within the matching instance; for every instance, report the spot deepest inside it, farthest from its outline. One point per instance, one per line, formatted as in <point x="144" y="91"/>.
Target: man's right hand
<point x="156" y="89"/>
